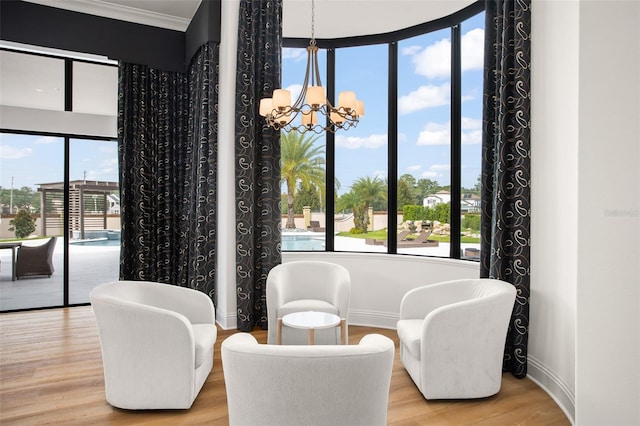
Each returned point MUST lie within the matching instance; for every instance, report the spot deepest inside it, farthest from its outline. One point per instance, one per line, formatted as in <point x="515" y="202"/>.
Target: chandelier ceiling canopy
<point x="316" y="113"/>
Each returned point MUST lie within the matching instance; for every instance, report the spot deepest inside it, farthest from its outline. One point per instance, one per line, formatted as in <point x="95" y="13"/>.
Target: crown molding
<point x="120" y="12"/>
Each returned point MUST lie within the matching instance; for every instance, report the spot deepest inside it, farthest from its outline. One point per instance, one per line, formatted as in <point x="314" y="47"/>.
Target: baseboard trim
<point x="552" y="385"/>
<point x="226" y="320"/>
<point x="373" y="318"/>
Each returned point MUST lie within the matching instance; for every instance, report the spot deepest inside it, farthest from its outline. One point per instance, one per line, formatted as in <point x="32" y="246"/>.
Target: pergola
<point x="81" y="193"/>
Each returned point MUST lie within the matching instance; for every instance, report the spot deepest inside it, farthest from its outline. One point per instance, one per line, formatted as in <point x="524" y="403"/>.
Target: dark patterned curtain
<point x="257" y="157"/>
<point x="505" y="224"/>
<point x="167" y="139"/>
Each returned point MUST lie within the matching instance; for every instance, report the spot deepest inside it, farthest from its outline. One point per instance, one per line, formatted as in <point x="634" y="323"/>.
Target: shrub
<point x="472" y="221"/>
<point x="23" y="224"/>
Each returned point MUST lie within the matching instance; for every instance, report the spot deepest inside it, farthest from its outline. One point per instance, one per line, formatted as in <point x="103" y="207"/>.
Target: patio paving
<point x="89" y="266"/>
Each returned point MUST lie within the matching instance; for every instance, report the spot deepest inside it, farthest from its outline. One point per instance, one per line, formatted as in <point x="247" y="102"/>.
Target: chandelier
<point x="315" y="111"/>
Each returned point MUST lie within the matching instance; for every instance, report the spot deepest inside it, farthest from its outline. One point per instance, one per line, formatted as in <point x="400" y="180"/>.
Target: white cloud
<point x="429" y="174"/>
<point x="11" y="153"/>
<point x="355" y="142"/>
<point x="436" y="171"/>
<point x="434" y="134"/>
<point x="410" y="50"/>
<point x="380" y="174"/>
<point x="295" y="90"/>
<point x="472" y="137"/>
<point x="434" y="61"/>
<point x="440" y="167"/>
<point x="296" y="54"/>
<point x="425" y="97"/>
<point x="471" y="131"/>
<point x="414" y="168"/>
<point x="472" y="50"/>
<point x="91" y="175"/>
<point x="109" y="165"/>
<point x="47" y="140"/>
<point x="440" y="133"/>
<point x="108" y="148"/>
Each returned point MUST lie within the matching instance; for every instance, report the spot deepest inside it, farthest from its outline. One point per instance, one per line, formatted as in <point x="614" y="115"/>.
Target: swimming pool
<point x="296" y="242"/>
<point x="302" y="242"/>
<point x="96" y="242"/>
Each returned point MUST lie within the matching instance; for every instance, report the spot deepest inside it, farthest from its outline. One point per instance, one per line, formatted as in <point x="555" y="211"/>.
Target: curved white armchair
<point x="307" y="385"/>
<point x="452" y="336"/>
<point x="307" y="286"/>
<point x="157" y="343"/>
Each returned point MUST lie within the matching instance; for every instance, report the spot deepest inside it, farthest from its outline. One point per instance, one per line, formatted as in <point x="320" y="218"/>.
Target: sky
<point x="423" y="117"/>
<point x="423" y="105"/>
<point x="31" y="160"/>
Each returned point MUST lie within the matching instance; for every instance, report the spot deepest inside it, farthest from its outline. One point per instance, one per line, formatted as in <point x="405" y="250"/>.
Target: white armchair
<point x="307" y="286"/>
<point x="307" y="385"/>
<point x="157" y="343"/>
<point x="452" y="336"/>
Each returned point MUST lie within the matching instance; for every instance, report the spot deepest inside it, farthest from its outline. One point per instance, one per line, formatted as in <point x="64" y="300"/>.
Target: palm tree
<point x="369" y="190"/>
<point x="300" y="161"/>
<point x="352" y="201"/>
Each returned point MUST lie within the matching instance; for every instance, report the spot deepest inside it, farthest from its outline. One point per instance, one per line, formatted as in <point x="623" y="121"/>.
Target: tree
<point x="307" y="197"/>
<point x="23" y="224"/>
<point x="352" y="201"/>
<point x="406" y="194"/>
<point x="426" y="187"/>
<point x="300" y="161"/>
<point x="368" y="190"/>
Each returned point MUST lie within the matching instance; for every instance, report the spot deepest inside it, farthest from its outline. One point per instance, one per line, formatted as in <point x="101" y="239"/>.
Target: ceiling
<point x="333" y="18"/>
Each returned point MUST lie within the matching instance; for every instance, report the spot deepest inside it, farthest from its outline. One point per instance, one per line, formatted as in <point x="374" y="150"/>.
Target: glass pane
<point x="424" y="144"/>
<point x="303" y="159"/>
<point x="361" y="153"/>
<point x="94" y="216"/>
<point x="95" y="89"/>
<point x="32" y="171"/>
<point x="31" y="81"/>
<point x="472" y="49"/>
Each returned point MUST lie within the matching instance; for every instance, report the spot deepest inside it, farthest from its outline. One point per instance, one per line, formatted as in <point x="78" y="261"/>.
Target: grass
<point x="382" y="235"/>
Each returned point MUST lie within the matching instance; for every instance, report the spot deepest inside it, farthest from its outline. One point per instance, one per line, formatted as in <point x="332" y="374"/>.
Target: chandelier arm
<point x="283" y="117"/>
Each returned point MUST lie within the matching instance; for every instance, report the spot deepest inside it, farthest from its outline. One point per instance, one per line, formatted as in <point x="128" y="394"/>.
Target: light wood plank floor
<point x="51" y="373"/>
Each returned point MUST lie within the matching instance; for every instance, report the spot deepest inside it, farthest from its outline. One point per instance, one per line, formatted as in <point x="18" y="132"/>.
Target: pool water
<point x="289" y="242"/>
<point x="97" y="242"/>
<point x="302" y="243"/>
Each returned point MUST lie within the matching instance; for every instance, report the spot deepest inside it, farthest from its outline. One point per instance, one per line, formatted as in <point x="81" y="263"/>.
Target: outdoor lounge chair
<point x="35" y="261"/>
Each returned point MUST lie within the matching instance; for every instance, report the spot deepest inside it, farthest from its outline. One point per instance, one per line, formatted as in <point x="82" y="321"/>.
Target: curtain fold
<point x="257" y="158"/>
<point x="167" y="141"/>
<point x="505" y="223"/>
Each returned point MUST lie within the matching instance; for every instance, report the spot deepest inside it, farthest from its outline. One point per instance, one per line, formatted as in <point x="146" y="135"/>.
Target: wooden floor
<point x="51" y="373"/>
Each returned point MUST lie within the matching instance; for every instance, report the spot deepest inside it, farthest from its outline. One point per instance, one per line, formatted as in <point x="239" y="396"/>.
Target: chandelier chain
<point x="313" y="21"/>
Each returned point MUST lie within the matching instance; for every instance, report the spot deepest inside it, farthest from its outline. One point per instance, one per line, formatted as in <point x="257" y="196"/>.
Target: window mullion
<point x="456" y="141"/>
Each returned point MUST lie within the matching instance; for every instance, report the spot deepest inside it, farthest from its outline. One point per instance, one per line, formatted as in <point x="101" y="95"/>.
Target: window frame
<point x="67" y="137"/>
<point x="392" y="39"/>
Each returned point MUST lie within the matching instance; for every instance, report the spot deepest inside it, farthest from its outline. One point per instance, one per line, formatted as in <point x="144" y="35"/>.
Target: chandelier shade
<point x="314" y="110"/>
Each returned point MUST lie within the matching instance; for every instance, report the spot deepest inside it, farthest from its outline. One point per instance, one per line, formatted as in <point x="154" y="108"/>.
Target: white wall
<point x="554" y="198"/>
<point x="226" y="265"/>
<point x="585" y="328"/>
<point x="378" y="281"/>
<point x="608" y="290"/>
